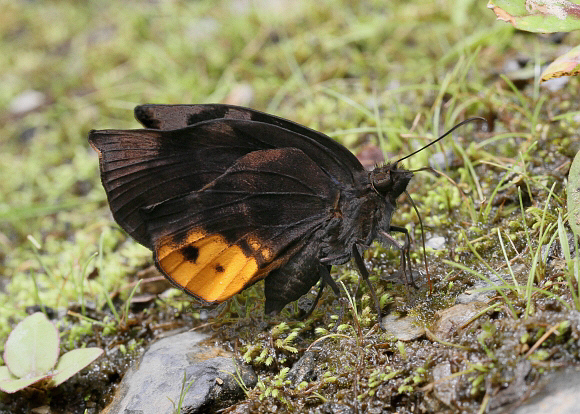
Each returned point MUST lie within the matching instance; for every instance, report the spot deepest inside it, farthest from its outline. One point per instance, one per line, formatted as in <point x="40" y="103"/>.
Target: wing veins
<point x="234" y="202"/>
<point x="272" y="173"/>
<point x="169" y="180"/>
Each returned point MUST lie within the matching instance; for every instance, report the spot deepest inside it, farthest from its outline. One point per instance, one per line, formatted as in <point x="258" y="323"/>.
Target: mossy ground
<point x="388" y="74"/>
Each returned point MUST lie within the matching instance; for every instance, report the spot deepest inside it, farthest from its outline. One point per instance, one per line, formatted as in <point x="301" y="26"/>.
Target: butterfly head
<point x="390" y="181"/>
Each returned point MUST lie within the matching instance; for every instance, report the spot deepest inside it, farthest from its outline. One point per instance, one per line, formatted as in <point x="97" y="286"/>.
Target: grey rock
<point x="445" y="385"/>
<point x="559" y="395"/>
<point x="154" y="384"/>
<point x="334" y="408"/>
<point x="436" y="243"/>
<point x="303" y="369"/>
<point x="511" y="65"/>
<point x="514" y="392"/>
<point x="472" y="296"/>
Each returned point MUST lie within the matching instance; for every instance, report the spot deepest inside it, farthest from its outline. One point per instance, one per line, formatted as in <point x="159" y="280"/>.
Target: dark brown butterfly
<point x="225" y="196"/>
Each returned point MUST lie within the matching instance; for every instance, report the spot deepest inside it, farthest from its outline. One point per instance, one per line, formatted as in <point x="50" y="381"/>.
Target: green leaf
<point x="573" y="191"/>
<point x="566" y="65"/>
<point x="74" y="361"/>
<point x="32" y="347"/>
<point x="5" y="373"/>
<point x="11" y="384"/>
<point x="540" y="16"/>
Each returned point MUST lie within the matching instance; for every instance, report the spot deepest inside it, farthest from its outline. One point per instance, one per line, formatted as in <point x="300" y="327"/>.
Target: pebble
<point x="452" y="319"/>
<point x="559" y="395"/>
<point x="403" y="328"/>
<point x="154" y="384"/>
<point x="27" y="101"/>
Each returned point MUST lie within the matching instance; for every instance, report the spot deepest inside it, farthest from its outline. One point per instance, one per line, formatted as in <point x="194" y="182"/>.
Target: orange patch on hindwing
<point x="258" y="247"/>
<point x="206" y="266"/>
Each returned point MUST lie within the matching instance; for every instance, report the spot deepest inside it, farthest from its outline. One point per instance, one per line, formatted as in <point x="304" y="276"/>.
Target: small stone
<point x="202" y="29"/>
<point x="334" y="408"/>
<point x="445" y="387"/>
<point x="555" y="84"/>
<point x="452" y="319"/>
<point x="242" y="94"/>
<point x="436" y="243"/>
<point x="403" y="328"/>
<point x="303" y="369"/>
<point x="472" y="295"/>
<point x="153" y="281"/>
<point x="151" y="385"/>
<point x="370" y="155"/>
<point x="442" y="160"/>
<point x="27" y="101"/>
<point x="559" y="395"/>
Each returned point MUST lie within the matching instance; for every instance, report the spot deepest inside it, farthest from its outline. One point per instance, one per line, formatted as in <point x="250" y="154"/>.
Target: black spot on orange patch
<point x="190" y="253"/>
<point x="219" y="268"/>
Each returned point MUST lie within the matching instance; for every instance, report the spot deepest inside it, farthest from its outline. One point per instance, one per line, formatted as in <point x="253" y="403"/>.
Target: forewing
<point x="181" y="116"/>
<point x="143" y="167"/>
<point x="216" y="241"/>
<point x="140" y="168"/>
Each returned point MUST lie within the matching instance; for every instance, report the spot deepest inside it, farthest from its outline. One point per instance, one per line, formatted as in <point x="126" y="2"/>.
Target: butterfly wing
<point x="144" y="167"/>
<point x="252" y="219"/>
<point x="180" y="116"/>
<point x="156" y="116"/>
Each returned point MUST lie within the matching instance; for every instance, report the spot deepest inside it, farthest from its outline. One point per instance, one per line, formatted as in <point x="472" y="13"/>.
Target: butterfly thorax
<point x="361" y="211"/>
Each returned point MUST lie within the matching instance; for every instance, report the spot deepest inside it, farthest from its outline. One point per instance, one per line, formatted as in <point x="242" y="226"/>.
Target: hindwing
<point x="252" y="219"/>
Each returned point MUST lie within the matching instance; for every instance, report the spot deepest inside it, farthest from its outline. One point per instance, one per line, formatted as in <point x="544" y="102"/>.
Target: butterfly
<point x="225" y="196"/>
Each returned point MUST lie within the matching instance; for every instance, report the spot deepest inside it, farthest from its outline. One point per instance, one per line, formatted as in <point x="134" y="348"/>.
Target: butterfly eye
<point x="390" y="181"/>
<point x="381" y="180"/>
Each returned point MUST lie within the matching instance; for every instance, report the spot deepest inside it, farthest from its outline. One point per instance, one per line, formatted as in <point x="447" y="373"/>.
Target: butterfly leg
<point x="365" y="275"/>
<point x="328" y="280"/>
<point x="318" y="296"/>
<point x="363" y="246"/>
<point x="405" y="251"/>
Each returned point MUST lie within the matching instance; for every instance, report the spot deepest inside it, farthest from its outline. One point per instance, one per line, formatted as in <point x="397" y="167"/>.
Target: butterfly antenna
<point x="475" y="118"/>
<point x="423" y="239"/>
